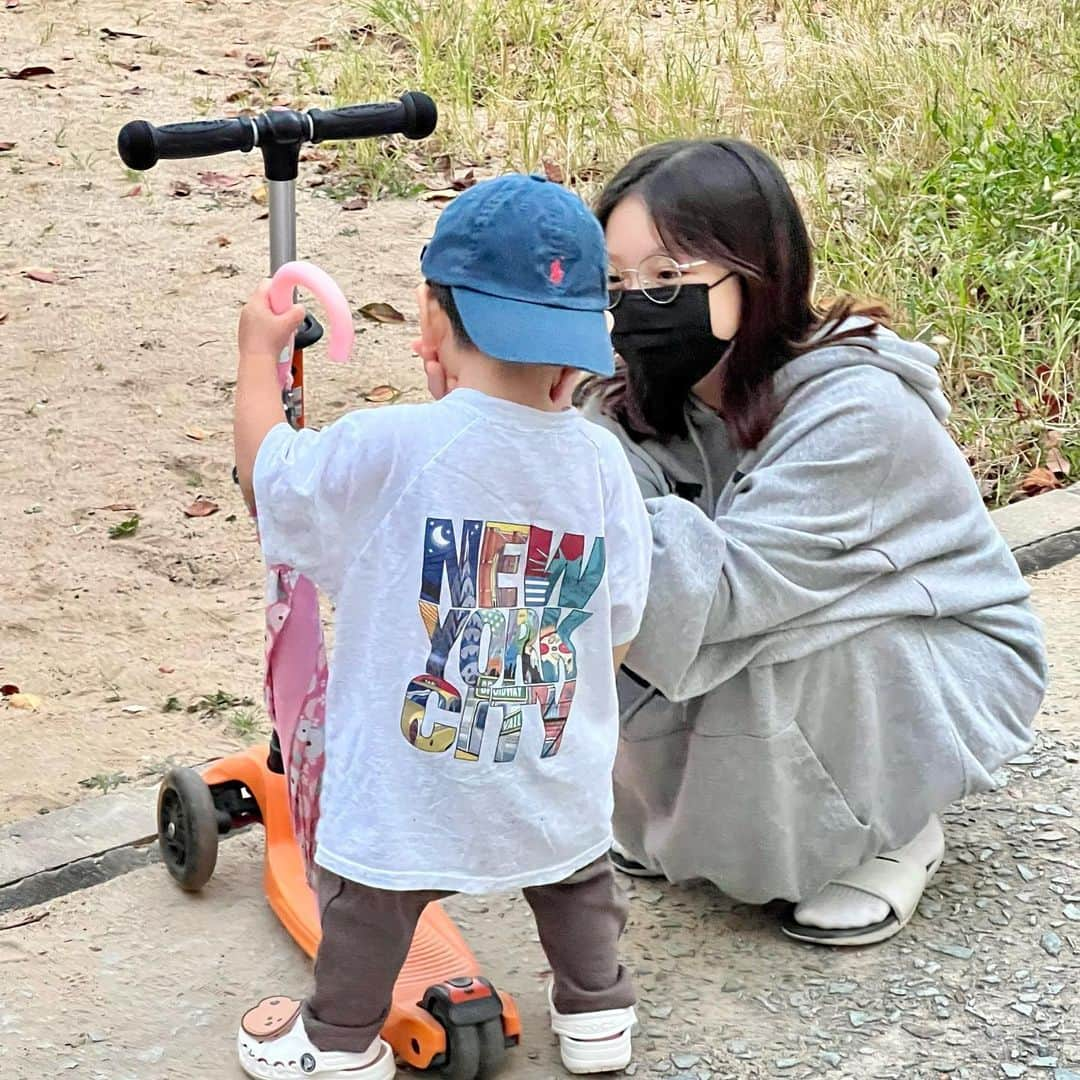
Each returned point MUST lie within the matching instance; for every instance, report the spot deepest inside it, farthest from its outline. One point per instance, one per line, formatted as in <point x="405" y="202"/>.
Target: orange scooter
<point x="445" y="1014"/>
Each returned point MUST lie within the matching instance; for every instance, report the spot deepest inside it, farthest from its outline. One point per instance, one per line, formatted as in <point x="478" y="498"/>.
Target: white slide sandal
<point x="894" y="878"/>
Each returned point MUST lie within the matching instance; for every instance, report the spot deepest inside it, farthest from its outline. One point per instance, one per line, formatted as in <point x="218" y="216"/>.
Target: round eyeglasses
<point x="659" y="277"/>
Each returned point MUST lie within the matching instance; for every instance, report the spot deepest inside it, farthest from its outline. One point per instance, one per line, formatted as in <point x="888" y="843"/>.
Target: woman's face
<point x="632" y="237"/>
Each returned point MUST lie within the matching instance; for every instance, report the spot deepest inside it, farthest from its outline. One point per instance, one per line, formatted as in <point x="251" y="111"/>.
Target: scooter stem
<point x="282" y="208"/>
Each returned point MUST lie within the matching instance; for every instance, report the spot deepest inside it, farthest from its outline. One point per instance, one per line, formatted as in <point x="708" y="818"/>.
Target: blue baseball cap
<point x="526" y="263"/>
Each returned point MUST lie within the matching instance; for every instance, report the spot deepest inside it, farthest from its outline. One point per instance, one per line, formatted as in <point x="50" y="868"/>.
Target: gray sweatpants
<point x="366" y="935"/>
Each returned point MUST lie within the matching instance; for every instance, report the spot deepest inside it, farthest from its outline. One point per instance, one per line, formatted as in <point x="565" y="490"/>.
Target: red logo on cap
<point x="557" y="273"/>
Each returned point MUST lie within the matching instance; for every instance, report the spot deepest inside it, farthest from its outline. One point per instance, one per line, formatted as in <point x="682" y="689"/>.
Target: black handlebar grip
<point x="142" y="145"/>
<point x="414" y="116"/>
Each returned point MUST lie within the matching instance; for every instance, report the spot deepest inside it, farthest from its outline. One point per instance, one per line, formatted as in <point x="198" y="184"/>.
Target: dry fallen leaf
<point x="31" y="72"/>
<point x="195" y="434"/>
<point x="358" y="202"/>
<point x="181" y="189"/>
<point x="463" y="183"/>
<point x="222" y="241"/>
<point x="382" y="313"/>
<point x="259" y="195"/>
<point x="136" y="190"/>
<point x="46" y="277"/>
<point x="1057" y="462"/>
<point x="166" y="670"/>
<point x="443" y="195"/>
<point x="201" y="508"/>
<point x="554" y="172"/>
<point x="321" y="44"/>
<point x="382" y="395"/>
<point x="1039" y="480"/>
<point x="24" y="701"/>
<point x="112" y="35"/>
<point x="3" y="317"/>
<point x="254" y="60"/>
<point x="218" y="181"/>
<point x="5" y="146"/>
<point x="118" y="507"/>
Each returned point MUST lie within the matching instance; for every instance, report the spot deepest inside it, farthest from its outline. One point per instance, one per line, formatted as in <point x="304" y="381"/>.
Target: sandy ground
<point x="118" y="378"/>
<point x="134" y="980"/>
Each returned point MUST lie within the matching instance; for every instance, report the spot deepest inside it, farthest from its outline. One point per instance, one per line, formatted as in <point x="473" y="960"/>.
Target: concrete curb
<point x="44" y="857"/>
<point x="1044" y="531"/>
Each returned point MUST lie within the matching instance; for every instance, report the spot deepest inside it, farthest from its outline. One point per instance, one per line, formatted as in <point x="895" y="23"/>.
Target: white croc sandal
<point x="273" y="1045"/>
<point x="897" y="880"/>
<point x="595" y="1042"/>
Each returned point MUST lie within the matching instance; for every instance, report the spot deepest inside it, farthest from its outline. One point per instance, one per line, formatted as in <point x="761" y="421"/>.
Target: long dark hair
<point x="726" y="201"/>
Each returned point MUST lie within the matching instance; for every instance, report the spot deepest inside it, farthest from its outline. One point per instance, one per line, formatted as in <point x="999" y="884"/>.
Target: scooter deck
<point x="438" y="950"/>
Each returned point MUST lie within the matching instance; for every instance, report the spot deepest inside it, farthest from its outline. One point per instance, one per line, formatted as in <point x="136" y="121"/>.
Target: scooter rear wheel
<point x="187" y="828"/>
<point x="492" y="1048"/>
<point x="462" y="1053"/>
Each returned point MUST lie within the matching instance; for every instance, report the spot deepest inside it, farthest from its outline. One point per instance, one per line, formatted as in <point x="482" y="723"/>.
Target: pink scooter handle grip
<point x="325" y="289"/>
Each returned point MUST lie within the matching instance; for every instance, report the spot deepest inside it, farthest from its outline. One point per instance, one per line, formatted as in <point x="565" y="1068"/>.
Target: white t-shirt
<point x="484" y="559"/>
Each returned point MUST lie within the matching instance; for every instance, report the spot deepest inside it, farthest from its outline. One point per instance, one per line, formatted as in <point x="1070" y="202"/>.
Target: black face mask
<point x="668" y="349"/>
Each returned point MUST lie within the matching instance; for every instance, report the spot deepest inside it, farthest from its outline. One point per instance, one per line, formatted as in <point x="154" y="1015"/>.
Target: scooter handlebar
<point x="414" y="116"/>
<point x="142" y="145"/>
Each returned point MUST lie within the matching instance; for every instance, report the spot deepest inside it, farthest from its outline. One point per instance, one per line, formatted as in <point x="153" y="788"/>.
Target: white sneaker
<point x="593" y="1042"/>
<point x="273" y="1045"/>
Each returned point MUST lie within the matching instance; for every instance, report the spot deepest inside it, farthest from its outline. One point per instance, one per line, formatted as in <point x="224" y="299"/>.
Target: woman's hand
<point x="262" y="334"/>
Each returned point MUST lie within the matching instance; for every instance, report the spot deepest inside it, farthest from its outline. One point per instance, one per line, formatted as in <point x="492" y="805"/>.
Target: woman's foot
<point x="594" y="1042"/>
<point x="875" y="901"/>
<point x="627" y="864"/>
<point x="273" y="1045"/>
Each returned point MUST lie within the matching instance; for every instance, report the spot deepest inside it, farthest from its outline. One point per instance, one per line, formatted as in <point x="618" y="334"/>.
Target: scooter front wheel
<point x="187" y="828"/>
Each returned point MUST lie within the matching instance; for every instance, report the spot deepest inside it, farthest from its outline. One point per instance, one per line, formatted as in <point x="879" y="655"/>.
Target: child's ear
<point x="562" y="390"/>
<point x="423" y="304"/>
<point x="434" y="324"/>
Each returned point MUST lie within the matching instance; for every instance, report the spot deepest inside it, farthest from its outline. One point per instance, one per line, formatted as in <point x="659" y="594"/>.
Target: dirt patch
<point x="119" y="379"/>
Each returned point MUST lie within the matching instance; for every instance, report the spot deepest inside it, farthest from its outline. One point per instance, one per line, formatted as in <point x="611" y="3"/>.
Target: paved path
<point x="132" y="980"/>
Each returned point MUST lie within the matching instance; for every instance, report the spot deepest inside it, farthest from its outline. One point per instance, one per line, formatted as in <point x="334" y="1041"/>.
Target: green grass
<point x="127" y="527"/>
<point x="935" y="145"/>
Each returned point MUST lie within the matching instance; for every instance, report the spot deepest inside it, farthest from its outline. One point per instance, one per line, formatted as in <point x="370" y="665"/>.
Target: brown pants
<point x="366" y="935"/>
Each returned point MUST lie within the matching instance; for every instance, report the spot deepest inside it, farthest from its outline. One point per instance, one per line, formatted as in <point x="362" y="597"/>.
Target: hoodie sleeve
<point x="797" y="536"/>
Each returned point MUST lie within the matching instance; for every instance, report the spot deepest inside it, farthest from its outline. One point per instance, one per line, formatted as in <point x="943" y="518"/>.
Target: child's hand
<point x="433" y="368"/>
<point x="262" y="333"/>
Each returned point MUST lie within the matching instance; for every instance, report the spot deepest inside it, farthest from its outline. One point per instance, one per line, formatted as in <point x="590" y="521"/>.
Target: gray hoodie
<point x="841" y="585"/>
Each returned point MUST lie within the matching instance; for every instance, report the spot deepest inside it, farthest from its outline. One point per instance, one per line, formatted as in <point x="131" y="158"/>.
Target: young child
<point x="488" y="555"/>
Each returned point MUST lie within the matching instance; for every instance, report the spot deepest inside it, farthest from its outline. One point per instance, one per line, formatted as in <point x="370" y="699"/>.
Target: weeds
<point x="238" y="713"/>
<point x="212" y="706"/>
<point x="935" y="145"/>
<point x="104" y="782"/>
<point x="244" y="724"/>
<point x="128" y="527"/>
